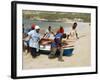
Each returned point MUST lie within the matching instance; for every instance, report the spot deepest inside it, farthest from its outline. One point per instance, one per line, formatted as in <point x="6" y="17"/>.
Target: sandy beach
<point x="81" y="55"/>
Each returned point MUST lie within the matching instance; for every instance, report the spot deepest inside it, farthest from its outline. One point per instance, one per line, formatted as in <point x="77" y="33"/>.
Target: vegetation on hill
<point x="48" y="15"/>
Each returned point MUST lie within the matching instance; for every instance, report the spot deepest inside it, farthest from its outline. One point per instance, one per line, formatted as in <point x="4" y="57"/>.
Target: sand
<point x="81" y="55"/>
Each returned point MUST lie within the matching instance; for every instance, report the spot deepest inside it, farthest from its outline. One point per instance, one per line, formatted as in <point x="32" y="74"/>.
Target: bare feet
<point x="60" y="59"/>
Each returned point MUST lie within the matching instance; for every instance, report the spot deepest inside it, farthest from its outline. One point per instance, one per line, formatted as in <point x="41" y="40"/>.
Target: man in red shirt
<point x="61" y="30"/>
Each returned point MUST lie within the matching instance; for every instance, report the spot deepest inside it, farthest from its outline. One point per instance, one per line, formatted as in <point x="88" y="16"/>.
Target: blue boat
<point x="68" y="51"/>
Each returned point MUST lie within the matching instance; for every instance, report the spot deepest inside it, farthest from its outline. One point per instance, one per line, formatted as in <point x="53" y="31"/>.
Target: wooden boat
<point x="45" y="46"/>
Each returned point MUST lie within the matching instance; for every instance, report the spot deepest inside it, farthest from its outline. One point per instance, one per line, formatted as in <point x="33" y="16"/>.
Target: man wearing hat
<point x="34" y="41"/>
<point x="25" y="36"/>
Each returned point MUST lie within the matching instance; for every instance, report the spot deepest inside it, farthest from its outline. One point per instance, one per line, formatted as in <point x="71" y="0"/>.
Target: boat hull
<point x="67" y="51"/>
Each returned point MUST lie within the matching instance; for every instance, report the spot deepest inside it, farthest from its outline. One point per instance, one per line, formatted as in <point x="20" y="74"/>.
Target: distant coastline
<point x="56" y="16"/>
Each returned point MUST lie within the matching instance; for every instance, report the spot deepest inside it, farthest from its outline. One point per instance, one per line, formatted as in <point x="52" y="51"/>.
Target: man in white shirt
<point x="34" y="41"/>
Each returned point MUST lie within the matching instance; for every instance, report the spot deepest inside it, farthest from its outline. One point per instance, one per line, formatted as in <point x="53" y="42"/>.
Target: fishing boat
<point x="68" y="49"/>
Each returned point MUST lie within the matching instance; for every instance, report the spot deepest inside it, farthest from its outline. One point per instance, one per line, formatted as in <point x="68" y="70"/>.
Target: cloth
<point x="73" y="34"/>
<point x="33" y="51"/>
<point x="34" y="40"/>
<point x="54" y="51"/>
<point x="61" y="30"/>
<point x="57" y="40"/>
<point x="48" y="35"/>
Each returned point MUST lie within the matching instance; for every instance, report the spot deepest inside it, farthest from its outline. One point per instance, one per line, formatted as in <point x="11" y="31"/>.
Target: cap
<point x="37" y="27"/>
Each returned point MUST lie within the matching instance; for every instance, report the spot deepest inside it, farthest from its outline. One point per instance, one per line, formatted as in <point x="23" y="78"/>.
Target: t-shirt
<point x="48" y="35"/>
<point x="34" y="40"/>
<point x="61" y="30"/>
<point x="57" y="40"/>
<point x="73" y="34"/>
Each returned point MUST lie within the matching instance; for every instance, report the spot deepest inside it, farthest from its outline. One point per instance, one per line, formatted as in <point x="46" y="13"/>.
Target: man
<point x="34" y="36"/>
<point x="47" y="37"/>
<point x="48" y="34"/>
<point x="26" y="38"/>
<point x="61" y="30"/>
<point x="57" y="46"/>
<point x="73" y="34"/>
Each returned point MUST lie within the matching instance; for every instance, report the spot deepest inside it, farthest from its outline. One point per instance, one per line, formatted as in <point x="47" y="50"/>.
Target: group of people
<point x="57" y="40"/>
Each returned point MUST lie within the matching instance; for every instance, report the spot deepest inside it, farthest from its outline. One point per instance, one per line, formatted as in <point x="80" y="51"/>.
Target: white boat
<point x="68" y="51"/>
